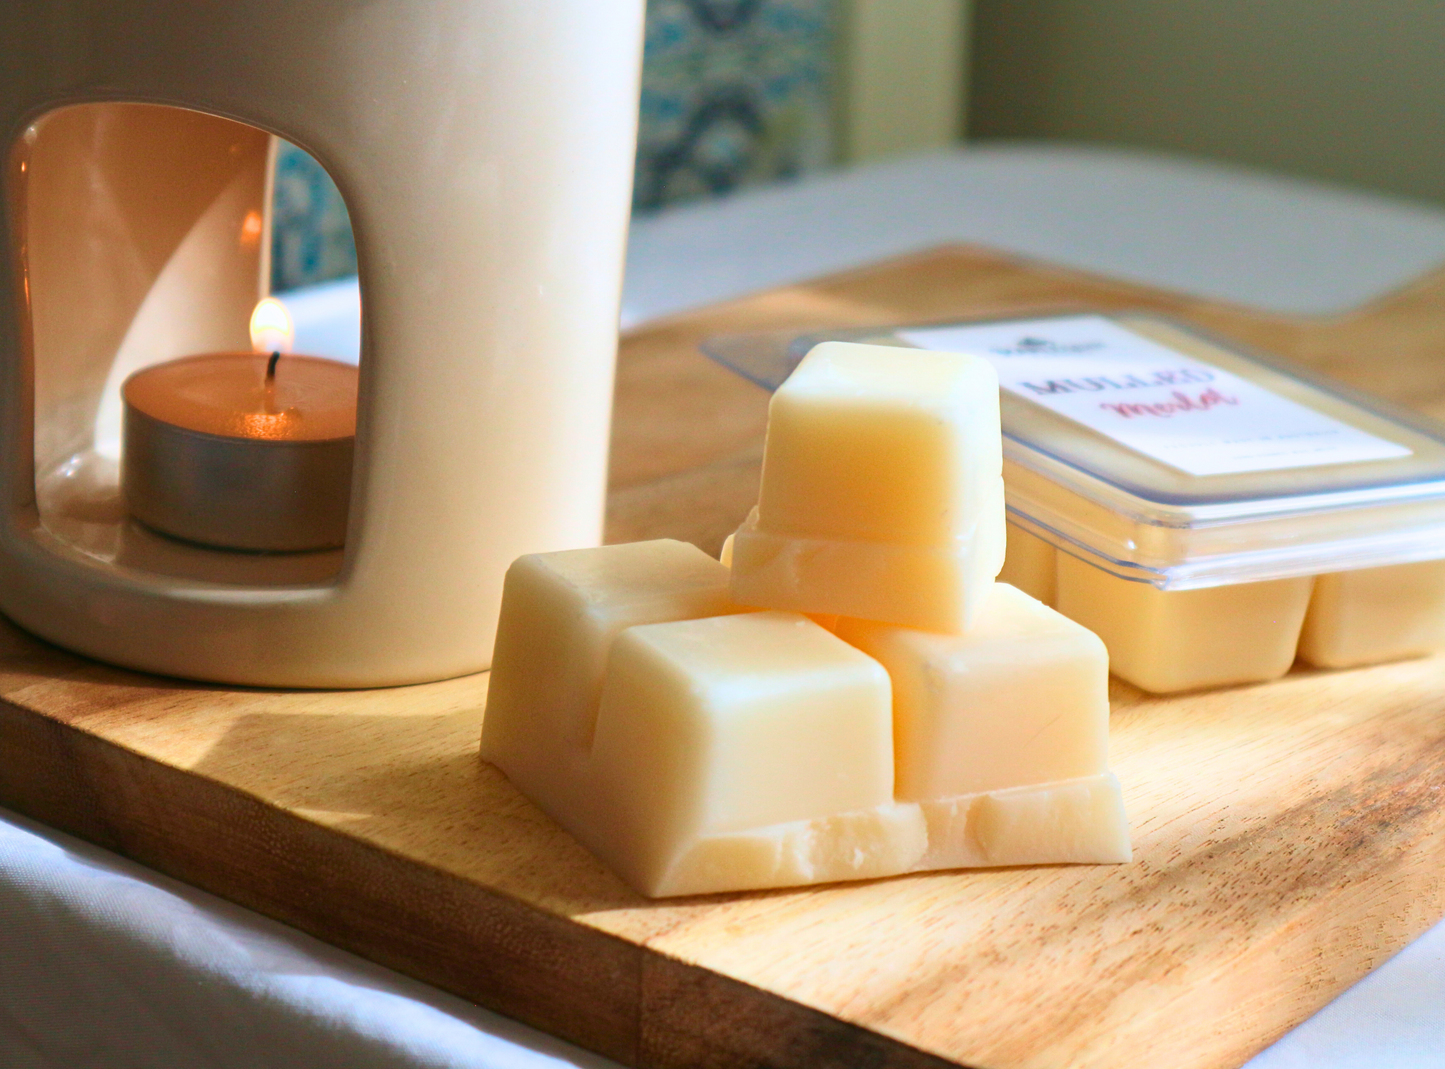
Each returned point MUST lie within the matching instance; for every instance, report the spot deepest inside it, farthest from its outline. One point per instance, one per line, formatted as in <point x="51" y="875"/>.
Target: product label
<point x="1183" y="412"/>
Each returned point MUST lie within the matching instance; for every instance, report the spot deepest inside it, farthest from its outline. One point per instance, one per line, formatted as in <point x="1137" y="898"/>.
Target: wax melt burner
<point x="484" y="150"/>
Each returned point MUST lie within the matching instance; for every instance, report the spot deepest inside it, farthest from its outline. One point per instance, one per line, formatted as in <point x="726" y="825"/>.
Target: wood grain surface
<point x="1289" y="836"/>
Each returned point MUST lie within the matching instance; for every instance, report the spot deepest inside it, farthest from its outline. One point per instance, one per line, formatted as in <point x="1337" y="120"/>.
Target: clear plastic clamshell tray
<point x="1292" y="475"/>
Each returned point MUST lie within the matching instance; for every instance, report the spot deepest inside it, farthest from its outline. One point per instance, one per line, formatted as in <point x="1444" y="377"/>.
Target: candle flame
<point x="271" y="329"/>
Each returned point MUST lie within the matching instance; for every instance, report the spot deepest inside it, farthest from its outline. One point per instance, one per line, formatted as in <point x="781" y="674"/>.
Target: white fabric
<point x="105" y="964"/>
<point x="1255" y="239"/>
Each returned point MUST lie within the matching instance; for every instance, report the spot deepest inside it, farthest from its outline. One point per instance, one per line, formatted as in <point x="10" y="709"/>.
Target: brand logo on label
<point x="1030" y="345"/>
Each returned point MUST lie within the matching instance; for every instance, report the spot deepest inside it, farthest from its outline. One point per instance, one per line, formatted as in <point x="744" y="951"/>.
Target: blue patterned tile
<point x="310" y="230"/>
<point x="734" y="92"/>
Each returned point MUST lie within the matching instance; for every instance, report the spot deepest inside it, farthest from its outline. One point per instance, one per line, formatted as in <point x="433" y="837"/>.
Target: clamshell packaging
<point x="1210" y="513"/>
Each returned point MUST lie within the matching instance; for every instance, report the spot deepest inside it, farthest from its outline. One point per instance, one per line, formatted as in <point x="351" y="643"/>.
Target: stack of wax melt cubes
<point x="1211" y="515"/>
<point x="854" y="696"/>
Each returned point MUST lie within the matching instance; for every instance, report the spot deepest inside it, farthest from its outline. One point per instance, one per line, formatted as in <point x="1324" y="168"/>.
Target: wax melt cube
<point x="828" y="620"/>
<point x="746" y="751"/>
<point x="1001" y="736"/>
<point x="1021" y="699"/>
<point x="1375" y="614"/>
<point x="1173" y="640"/>
<point x="1030" y="564"/>
<point x="882" y="493"/>
<point x="1078" y="821"/>
<point x="560" y="614"/>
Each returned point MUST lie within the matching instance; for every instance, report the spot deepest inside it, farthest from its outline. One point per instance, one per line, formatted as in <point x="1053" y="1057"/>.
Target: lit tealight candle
<point x="243" y="450"/>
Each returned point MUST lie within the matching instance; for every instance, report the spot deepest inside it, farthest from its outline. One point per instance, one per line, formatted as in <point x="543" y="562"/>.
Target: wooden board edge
<point x="623" y="1000"/>
<point x="699" y="1019"/>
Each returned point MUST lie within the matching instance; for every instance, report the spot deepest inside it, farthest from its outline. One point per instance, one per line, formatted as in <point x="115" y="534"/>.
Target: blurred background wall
<point x="901" y="76"/>
<point x="1345" y="90"/>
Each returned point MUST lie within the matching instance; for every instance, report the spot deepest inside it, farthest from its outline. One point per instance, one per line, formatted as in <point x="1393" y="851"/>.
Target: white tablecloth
<point x="108" y="965"/>
<point x="105" y="964"/>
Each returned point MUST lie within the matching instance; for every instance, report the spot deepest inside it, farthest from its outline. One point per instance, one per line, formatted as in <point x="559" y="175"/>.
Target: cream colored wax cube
<point x="828" y="620"/>
<point x="882" y="493"/>
<point x="1030" y="564"/>
<point x="1375" y="614"/>
<point x="560" y="614"/>
<point x="1172" y="640"/>
<point x="1079" y="821"/>
<point x="746" y="751"/>
<point x="1022" y="698"/>
<point x="1001" y="735"/>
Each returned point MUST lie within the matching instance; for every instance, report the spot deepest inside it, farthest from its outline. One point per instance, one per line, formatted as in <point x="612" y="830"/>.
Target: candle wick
<point x="271" y="366"/>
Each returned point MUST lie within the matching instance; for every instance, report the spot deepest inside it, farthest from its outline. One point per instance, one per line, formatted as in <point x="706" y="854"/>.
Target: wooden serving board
<point x="1289" y="836"/>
